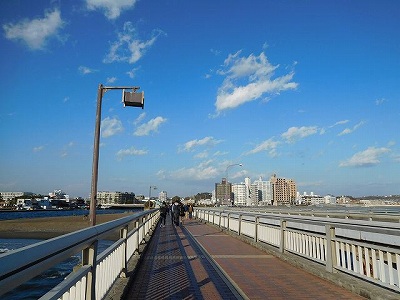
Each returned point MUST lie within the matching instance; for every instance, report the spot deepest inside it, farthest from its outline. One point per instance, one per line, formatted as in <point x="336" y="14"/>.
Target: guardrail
<point x="98" y="271"/>
<point x="368" y="250"/>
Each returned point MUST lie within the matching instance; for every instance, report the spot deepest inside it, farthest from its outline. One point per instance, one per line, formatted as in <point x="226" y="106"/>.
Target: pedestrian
<point x="171" y="206"/>
<point x="190" y="210"/>
<point x="176" y="212"/>
<point x="163" y="214"/>
<point x="182" y="212"/>
<point x="186" y="211"/>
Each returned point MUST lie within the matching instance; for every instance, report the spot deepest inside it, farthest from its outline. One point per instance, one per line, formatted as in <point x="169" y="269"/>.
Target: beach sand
<point x="45" y="228"/>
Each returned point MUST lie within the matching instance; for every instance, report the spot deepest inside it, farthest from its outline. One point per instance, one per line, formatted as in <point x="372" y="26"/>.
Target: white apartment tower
<point x="262" y="192"/>
<point x="239" y="194"/>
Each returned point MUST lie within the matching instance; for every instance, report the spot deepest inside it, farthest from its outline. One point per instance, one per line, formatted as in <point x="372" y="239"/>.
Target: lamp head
<point x="133" y="99"/>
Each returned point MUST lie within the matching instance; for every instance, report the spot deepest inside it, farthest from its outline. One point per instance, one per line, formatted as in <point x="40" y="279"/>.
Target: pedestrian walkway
<point x="177" y="266"/>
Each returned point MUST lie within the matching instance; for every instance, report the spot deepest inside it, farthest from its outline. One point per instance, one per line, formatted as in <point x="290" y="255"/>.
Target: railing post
<point x="256" y="222"/>
<point x="123" y="234"/>
<point x="227" y="225"/>
<point x="240" y="225"/>
<point x="89" y="258"/>
<point x="219" y="221"/>
<point x="331" y="249"/>
<point x="137" y="226"/>
<point x="283" y="229"/>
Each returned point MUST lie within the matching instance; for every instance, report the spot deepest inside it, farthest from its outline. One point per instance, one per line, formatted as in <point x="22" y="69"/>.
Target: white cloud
<point x="201" y="155"/>
<point x="207" y="141"/>
<point x="110" y="127"/>
<point x="38" y="148"/>
<point x="132" y="72"/>
<point x="35" y="33"/>
<point x="249" y="78"/>
<point x="112" y="8"/>
<point x="350" y="130"/>
<point x="380" y="101"/>
<point x="339" y="123"/>
<point x="127" y="48"/>
<point x="366" y="158"/>
<point x="296" y="133"/>
<point x="140" y="118"/>
<point x="269" y="145"/>
<point x="130" y="152"/>
<point x="111" y="79"/>
<point x="150" y="126"/>
<point x="85" y="70"/>
<point x="203" y="171"/>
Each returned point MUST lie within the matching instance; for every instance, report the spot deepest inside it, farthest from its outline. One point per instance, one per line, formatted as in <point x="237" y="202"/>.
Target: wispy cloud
<point x="152" y="125"/>
<point x="350" y="130"/>
<point x="111" y="79"/>
<point x="35" y="33"/>
<point x="132" y="72"/>
<point x="140" y="118"/>
<point x="366" y="158"/>
<point x="380" y="101"/>
<point x="248" y="79"/>
<point x="202" y="171"/>
<point x="85" y="70"/>
<point x="110" y="127"/>
<point x="207" y="141"/>
<point x="121" y="154"/>
<point x="38" y="148"/>
<point x="201" y="155"/>
<point x="112" y="8"/>
<point x="339" y="123"/>
<point x="294" y="134"/>
<point x="127" y="48"/>
<point x="269" y="146"/>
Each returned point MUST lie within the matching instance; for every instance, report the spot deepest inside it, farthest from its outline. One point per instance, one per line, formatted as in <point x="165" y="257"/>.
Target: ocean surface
<point x="38" y="286"/>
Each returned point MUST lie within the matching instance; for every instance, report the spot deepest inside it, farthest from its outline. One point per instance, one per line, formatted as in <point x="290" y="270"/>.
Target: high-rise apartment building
<point x="283" y="190"/>
<point x="223" y="192"/>
<point x="239" y="194"/>
<point x="263" y="192"/>
<point x="162" y="196"/>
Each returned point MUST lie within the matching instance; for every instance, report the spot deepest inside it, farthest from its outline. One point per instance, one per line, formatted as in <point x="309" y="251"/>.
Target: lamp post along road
<point x="151" y="187"/>
<point x="129" y="99"/>
<point x="228" y="197"/>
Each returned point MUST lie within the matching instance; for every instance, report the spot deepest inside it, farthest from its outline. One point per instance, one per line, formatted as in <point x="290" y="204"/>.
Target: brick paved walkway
<point x="175" y="268"/>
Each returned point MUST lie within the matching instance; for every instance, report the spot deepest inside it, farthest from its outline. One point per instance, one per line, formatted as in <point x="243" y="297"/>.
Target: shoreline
<point x="49" y="227"/>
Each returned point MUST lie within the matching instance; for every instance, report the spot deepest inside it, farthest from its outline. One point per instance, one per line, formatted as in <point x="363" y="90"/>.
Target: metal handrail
<point x="369" y="250"/>
<point x="20" y="265"/>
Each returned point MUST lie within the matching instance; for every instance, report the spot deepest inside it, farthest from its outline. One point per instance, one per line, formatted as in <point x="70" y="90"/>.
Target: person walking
<point x="190" y="211"/>
<point x="176" y="212"/>
<point x="163" y="214"/>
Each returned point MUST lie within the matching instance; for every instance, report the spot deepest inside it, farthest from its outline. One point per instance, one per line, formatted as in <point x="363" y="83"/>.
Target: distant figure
<point x="186" y="212"/>
<point x="190" y="211"/>
<point x="176" y="210"/>
<point x="163" y="214"/>
<point x="172" y="212"/>
<point x="182" y="212"/>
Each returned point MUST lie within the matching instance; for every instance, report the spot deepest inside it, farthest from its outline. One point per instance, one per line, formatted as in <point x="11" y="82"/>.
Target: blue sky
<point x="308" y="90"/>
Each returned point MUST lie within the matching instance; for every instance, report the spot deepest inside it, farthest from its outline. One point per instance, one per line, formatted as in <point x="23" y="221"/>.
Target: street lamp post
<point x="129" y="99"/>
<point x="228" y="197"/>
<point x="154" y="188"/>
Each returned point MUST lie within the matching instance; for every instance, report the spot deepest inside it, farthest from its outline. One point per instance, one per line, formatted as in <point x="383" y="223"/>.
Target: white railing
<point x="98" y="271"/>
<point x="369" y="250"/>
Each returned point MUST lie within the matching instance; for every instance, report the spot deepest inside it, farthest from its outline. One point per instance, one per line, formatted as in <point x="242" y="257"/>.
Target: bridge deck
<point x="178" y="267"/>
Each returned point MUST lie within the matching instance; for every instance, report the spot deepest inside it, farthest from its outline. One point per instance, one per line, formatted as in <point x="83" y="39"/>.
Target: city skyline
<point x="305" y="90"/>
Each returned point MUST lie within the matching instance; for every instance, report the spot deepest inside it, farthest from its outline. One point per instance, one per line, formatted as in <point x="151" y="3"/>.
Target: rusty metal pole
<point x="95" y="166"/>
